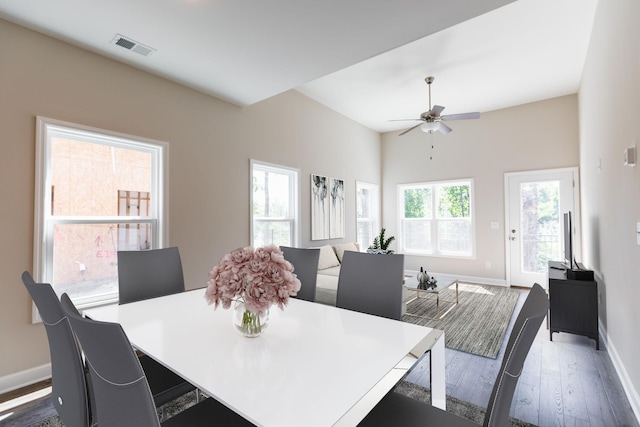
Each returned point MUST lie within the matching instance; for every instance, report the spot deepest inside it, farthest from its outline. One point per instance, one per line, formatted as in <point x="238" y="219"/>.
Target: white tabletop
<point x="311" y="366"/>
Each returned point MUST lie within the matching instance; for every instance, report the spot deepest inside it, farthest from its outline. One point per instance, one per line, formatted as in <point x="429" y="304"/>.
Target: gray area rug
<point x="42" y="413"/>
<point x="476" y="325"/>
<point x="459" y="407"/>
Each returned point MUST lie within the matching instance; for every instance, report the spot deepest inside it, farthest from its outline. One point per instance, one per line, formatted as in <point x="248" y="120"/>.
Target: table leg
<point x="438" y="380"/>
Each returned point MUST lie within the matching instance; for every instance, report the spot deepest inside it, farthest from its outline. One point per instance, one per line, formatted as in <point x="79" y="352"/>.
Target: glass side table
<point x="442" y="282"/>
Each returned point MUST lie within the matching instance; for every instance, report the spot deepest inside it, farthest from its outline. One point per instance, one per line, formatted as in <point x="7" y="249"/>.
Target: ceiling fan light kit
<point x="430" y="126"/>
<point x="432" y="120"/>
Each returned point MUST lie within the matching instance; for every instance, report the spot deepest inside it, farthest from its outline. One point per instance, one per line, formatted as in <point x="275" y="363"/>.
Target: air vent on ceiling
<point x="132" y="45"/>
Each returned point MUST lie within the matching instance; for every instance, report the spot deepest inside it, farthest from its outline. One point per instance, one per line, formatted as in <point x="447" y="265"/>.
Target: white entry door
<point x="535" y="203"/>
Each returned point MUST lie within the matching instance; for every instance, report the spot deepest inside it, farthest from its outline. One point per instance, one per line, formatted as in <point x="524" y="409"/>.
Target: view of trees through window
<point x="540" y="225"/>
<point x="437" y="218"/>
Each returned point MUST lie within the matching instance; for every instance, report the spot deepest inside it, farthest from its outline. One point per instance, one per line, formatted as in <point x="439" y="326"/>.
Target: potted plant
<point x="381" y="244"/>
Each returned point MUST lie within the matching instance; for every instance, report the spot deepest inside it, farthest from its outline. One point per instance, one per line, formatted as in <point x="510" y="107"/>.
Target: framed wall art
<point x="319" y="207"/>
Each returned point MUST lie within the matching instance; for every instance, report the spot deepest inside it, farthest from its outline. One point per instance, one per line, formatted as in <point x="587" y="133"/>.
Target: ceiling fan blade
<point x="462" y="116"/>
<point x="436" y="110"/>
<point x="410" y="129"/>
<point x="444" y="128"/>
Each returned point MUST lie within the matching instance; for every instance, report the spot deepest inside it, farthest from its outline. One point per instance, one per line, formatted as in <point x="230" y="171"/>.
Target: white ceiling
<point x="366" y="59"/>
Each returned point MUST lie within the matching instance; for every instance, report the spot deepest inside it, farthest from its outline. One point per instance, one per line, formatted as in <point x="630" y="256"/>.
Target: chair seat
<point x="207" y="413"/>
<point x="402" y="411"/>
<point x="395" y="409"/>
<point x="164" y="384"/>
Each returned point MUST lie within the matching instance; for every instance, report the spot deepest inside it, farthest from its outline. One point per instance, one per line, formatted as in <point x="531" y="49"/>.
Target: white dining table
<point x="314" y="365"/>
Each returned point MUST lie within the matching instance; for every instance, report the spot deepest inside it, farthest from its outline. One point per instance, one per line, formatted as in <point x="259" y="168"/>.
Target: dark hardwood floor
<point x="566" y="382"/>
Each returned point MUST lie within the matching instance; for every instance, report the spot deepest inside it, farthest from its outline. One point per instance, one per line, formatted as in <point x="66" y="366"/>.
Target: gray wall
<point x="211" y="143"/>
<point x="609" y="100"/>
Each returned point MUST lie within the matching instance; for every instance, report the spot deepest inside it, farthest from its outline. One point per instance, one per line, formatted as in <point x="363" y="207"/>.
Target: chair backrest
<point x="149" y="274"/>
<point x="524" y="332"/>
<point x="120" y="389"/>
<point x="69" y="383"/>
<point x="371" y="284"/>
<point x="305" y="264"/>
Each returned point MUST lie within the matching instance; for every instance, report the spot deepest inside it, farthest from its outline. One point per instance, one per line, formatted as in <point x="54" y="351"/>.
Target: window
<point x="97" y="193"/>
<point x="367" y="211"/>
<point x="437" y="218"/>
<point x="274" y="201"/>
<point x="134" y="237"/>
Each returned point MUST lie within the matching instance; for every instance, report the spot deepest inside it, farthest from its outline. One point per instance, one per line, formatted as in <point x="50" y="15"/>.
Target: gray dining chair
<point x="305" y="264"/>
<point x="68" y="375"/>
<point x="398" y="410"/>
<point x="120" y="388"/>
<point x="371" y="284"/>
<point x="149" y="274"/>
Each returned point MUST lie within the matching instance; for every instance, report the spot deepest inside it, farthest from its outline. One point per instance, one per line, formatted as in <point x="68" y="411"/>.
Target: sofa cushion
<point x="351" y="246"/>
<point x="328" y="258"/>
<point x="331" y="271"/>
<point x="327" y="282"/>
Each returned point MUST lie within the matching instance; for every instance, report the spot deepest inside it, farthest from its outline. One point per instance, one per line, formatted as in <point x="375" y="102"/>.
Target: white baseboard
<point x="24" y="378"/>
<point x="627" y="385"/>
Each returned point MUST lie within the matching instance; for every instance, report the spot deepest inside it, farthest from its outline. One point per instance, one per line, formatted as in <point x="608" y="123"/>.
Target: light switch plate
<point x="638" y="233"/>
<point x="630" y="156"/>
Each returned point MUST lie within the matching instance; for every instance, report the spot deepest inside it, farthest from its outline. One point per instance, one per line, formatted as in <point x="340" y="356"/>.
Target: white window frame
<point x="44" y="222"/>
<point x="294" y="198"/>
<point x="434" y="220"/>
<point x="374" y="190"/>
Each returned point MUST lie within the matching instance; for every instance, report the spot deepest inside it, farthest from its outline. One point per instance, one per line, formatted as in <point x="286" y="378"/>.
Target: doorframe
<point x="576" y="221"/>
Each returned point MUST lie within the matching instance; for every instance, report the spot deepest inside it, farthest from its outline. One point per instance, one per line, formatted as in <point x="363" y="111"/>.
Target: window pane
<point x="271" y="192"/>
<point x="417" y="235"/>
<point x="272" y="233"/>
<point x="540" y="226"/>
<point x="367" y="211"/>
<point x="86" y="177"/>
<point x="446" y="209"/>
<point x="363" y="203"/>
<point x="453" y="237"/>
<point x="365" y="233"/>
<point x="85" y="260"/>
<point x="418" y="203"/>
<point x="453" y="201"/>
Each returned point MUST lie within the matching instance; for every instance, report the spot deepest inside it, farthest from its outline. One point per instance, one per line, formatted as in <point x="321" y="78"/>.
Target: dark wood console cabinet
<point x="573" y="304"/>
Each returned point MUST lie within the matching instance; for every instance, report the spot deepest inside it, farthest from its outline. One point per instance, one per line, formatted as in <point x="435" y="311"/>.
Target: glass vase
<point x="247" y="322"/>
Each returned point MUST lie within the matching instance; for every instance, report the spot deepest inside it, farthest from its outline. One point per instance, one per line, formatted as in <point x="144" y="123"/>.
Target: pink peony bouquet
<point x="258" y="277"/>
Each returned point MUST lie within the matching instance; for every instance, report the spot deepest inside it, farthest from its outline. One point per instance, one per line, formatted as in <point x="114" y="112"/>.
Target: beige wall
<point x="210" y="142"/>
<point x="609" y="100"/>
<point x="541" y="135"/>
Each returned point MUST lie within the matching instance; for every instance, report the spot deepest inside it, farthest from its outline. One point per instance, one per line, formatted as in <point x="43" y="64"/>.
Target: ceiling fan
<point x="431" y="120"/>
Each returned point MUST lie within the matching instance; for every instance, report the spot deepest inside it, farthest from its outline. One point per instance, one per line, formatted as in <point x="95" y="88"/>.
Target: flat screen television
<point x="568" y="242"/>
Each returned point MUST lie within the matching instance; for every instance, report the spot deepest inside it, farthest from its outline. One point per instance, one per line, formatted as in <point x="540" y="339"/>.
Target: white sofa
<point x="329" y="270"/>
